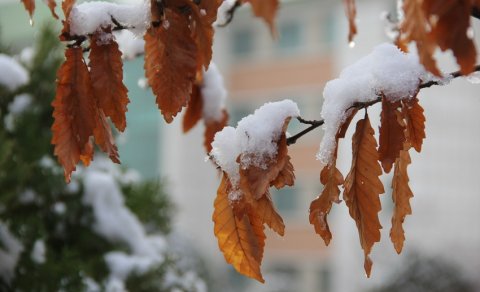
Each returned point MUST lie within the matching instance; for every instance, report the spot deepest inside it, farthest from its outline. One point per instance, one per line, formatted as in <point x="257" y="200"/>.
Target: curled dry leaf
<point x="51" y="5"/>
<point x="363" y="187"/>
<point x="194" y="109"/>
<point x="67" y="6"/>
<point x="242" y="240"/>
<point x="104" y="138"/>
<point x="106" y="71"/>
<point x="267" y="10"/>
<point x="170" y="63"/>
<point x="392" y="135"/>
<point x="211" y="128"/>
<point x="415" y="122"/>
<point x="351" y="12"/>
<point x="401" y="198"/>
<point x="29" y="6"/>
<point x="73" y="111"/>
<point x="331" y="178"/>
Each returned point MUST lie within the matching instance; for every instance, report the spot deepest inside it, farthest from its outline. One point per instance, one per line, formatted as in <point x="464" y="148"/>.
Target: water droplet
<point x="470" y="33"/>
<point x="31" y="22"/>
<point x="351" y="44"/>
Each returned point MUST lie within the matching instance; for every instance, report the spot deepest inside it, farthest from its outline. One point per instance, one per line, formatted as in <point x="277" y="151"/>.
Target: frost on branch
<point x="253" y="158"/>
<point x="386" y="71"/>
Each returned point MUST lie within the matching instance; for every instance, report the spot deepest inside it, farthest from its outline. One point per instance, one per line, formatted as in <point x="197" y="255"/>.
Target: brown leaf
<point x="194" y="109"/>
<point x="211" y="128"/>
<point x="351" y="13"/>
<point x="331" y="178"/>
<point x="29" y="6"/>
<point x="74" y="111"/>
<point x="51" y="5"/>
<point x="106" y="72"/>
<point x="266" y="9"/>
<point x="401" y="197"/>
<point x="415" y="27"/>
<point x="286" y="177"/>
<point x="392" y="134"/>
<point x="257" y="180"/>
<point x="104" y="138"/>
<point x="321" y="206"/>
<point x="450" y="21"/>
<point x="415" y="121"/>
<point x="170" y="63"/>
<point x="269" y="215"/>
<point x="363" y="187"/>
<point x="67" y="6"/>
<point x="203" y="17"/>
<point x="241" y="240"/>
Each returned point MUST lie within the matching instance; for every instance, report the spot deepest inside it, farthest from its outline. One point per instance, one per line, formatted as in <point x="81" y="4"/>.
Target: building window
<point x="325" y="279"/>
<point x="242" y="42"/>
<point x="289" y="36"/>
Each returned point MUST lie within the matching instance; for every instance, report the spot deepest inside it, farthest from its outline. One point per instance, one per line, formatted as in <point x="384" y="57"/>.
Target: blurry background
<point x="442" y="249"/>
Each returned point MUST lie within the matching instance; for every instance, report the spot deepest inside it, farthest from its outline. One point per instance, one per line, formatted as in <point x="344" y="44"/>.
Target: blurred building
<point x="311" y="49"/>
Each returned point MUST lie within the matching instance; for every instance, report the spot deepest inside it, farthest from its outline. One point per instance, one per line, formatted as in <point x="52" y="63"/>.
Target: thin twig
<point x="359" y="105"/>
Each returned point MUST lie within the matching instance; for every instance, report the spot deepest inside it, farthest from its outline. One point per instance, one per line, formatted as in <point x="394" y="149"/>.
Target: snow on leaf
<point x="211" y="128"/>
<point x="241" y="240"/>
<point x="106" y="72"/>
<point x="363" y="187"/>
<point x="415" y="122"/>
<point x="193" y="112"/>
<point x="401" y="195"/>
<point x="29" y="6"/>
<point x="266" y="9"/>
<point x="392" y="134"/>
<point x="414" y="27"/>
<point x="256" y="180"/>
<point x="74" y="111"/>
<point x="351" y="13"/>
<point x="170" y="63"/>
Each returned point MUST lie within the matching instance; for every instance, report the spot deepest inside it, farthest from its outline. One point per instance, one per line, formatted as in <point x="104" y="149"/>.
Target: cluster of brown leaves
<point x="30" y="7"/>
<point x="239" y="222"/>
<point x="178" y="48"/>
<point x="443" y="24"/>
<point x="402" y="127"/>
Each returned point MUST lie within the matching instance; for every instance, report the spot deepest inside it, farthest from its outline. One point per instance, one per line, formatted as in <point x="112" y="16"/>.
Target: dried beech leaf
<point x="241" y="240"/>
<point x="194" y="109"/>
<point x="87" y="153"/>
<point x="450" y="22"/>
<point x="415" y="121"/>
<point x="286" y="177"/>
<point x="51" y="5"/>
<point x="415" y="27"/>
<point x="29" y="6"/>
<point x="351" y="12"/>
<point x="67" y="6"/>
<point x="266" y="9"/>
<point x="321" y="206"/>
<point x="170" y="63"/>
<point x="401" y="197"/>
<point x="257" y="180"/>
<point x="211" y="128"/>
<point x="104" y="138"/>
<point x="73" y="111"/>
<point x="106" y="72"/>
<point x="363" y="187"/>
<point x="203" y="17"/>
<point x="269" y="215"/>
<point x="392" y="134"/>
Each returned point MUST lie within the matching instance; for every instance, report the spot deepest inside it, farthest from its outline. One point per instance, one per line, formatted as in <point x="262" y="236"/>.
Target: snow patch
<point x="89" y="17"/>
<point x="12" y="74"/>
<point x="214" y="94"/>
<point x="255" y="135"/>
<point x="39" y="251"/>
<point x="386" y="70"/>
<point x="9" y="253"/>
<point x="129" y="44"/>
<point x="222" y="12"/>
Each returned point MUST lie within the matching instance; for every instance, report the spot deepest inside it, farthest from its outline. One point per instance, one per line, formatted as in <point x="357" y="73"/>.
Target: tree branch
<point x="359" y="105"/>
